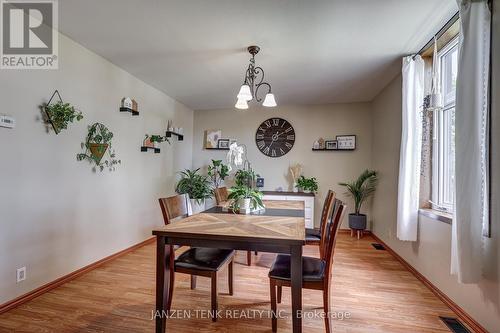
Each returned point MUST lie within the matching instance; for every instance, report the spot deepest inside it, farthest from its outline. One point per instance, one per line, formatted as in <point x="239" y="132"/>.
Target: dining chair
<point x="197" y="261"/>
<point x="313" y="236"/>
<point x="221" y="196"/>
<point x="316" y="272"/>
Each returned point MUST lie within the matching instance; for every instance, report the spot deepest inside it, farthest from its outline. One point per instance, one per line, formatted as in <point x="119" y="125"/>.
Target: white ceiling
<point x="313" y="52"/>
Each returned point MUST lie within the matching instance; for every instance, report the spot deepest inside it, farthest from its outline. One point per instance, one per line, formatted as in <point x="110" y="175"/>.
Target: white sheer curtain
<point x="471" y="218"/>
<point x="411" y="147"/>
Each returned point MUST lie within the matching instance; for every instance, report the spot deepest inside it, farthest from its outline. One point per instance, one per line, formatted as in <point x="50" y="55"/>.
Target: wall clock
<point x="275" y="137"/>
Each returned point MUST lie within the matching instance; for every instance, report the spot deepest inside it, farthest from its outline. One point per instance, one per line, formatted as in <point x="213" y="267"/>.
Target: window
<point x="443" y="159"/>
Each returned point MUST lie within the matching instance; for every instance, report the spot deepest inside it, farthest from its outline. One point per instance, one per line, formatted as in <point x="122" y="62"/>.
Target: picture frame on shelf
<point x="331" y="145"/>
<point x="346" y="142"/>
<point x="212" y="138"/>
<point x="223" y="144"/>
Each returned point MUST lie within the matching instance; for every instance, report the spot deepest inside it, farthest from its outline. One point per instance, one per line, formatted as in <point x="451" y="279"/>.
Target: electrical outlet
<point x="21" y="274"/>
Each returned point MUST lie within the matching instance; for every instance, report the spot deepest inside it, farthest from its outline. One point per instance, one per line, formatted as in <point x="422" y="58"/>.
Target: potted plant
<point x="196" y="186"/>
<point x="244" y="198"/>
<point x="308" y="185"/>
<point x="98" y="142"/>
<point x="217" y="172"/>
<point x="245" y="177"/>
<point x="360" y="190"/>
<point x="61" y="114"/>
<point x="155" y="140"/>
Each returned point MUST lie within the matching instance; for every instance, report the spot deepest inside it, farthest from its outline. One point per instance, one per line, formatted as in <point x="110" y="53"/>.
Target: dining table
<point x="279" y="228"/>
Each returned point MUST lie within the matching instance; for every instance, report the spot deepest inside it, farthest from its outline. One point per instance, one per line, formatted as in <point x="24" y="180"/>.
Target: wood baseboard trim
<point x="66" y="278"/>
<point x="464" y="316"/>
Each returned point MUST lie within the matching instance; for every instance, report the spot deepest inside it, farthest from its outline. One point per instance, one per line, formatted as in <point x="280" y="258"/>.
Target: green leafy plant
<point x="245" y="178"/>
<point x="98" y="142"/>
<point x="61" y="114"/>
<point x="244" y="192"/>
<point x="157" y="138"/>
<point x="307" y="184"/>
<point x="195" y="185"/>
<point x="217" y="171"/>
<point x="362" y="188"/>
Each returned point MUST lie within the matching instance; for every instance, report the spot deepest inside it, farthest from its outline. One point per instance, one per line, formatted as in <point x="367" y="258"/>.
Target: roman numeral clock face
<point x="275" y="137"/>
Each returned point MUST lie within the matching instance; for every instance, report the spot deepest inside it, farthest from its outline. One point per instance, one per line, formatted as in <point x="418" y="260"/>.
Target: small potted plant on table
<point x="360" y="190"/>
<point x="245" y="199"/>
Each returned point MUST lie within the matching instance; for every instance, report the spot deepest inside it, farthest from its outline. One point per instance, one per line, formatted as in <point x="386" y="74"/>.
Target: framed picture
<point x="346" y="142"/>
<point x="212" y="138"/>
<point x="223" y="144"/>
<point x="331" y="144"/>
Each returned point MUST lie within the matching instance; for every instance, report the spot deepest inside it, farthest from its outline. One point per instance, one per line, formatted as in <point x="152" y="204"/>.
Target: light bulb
<point x="269" y="101"/>
<point x="245" y="93"/>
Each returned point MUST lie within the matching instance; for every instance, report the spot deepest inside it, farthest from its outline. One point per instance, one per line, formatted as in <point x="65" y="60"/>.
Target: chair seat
<point x="205" y="259"/>
<point x="313" y="269"/>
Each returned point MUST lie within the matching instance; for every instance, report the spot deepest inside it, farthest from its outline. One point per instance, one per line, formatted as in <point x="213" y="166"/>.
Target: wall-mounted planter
<point x="60" y="114"/>
<point x="97" y="146"/>
<point x="152" y="142"/>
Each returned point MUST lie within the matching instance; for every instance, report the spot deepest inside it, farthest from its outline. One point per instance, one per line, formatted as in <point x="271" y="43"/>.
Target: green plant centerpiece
<point x="245" y="198"/>
<point x="217" y="171"/>
<point x="96" y="145"/>
<point x="307" y="184"/>
<point x="245" y="177"/>
<point x="60" y="114"/>
<point x="360" y="190"/>
<point x="196" y="186"/>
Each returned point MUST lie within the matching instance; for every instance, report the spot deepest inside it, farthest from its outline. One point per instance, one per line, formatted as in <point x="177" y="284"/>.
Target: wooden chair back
<point x="331" y="234"/>
<point x="221" y="195"/>
<point x="173" y="207"/>
<point x="325" y="216"/>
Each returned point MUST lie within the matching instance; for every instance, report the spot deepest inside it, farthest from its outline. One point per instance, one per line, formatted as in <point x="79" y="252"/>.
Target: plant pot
<point x="197" y="206"/>
<point x="357" y="222"/>
<point x="97" y="150"/>
<point x="244" y="204"/>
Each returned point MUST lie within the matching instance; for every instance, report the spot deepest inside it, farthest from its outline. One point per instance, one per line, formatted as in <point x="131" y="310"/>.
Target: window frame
<point x="438" y="138"/>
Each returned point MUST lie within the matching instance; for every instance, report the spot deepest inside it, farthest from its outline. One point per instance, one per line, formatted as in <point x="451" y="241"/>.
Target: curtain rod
<point x="439" y="33"/>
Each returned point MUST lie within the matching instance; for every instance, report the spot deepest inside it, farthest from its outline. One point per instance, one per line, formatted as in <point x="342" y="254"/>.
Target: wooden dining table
<point x="277" y="229"/>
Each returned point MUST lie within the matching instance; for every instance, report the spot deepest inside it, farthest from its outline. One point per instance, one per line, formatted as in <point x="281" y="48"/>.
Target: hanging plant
<point x="60" y="114"/>
<point x="97" y="144"/>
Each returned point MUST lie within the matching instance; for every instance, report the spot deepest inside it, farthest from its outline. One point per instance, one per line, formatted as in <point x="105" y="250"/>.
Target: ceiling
<point x="313" y="52"/>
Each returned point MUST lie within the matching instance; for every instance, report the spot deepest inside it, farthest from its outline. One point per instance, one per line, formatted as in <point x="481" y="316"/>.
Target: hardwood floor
<point x="370" y="285"/>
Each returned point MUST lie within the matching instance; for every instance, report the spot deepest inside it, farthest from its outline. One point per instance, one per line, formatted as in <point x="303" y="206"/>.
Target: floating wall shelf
<point x="217" y="148"/>
<point x="323" y="149"/>
<point x="134" y="113"/>
<point x="156" y="150"/>
<point x="180" y="137"/>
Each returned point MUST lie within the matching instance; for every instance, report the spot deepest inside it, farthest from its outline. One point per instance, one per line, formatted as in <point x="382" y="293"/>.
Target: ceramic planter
<point x="244" y="204"/>
<point x="357" y="222"/>
<point x="197" y="206"/>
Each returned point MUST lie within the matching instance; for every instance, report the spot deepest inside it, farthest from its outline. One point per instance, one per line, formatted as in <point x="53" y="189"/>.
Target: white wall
<point x="310" y="123"/>
<point x="431" y="254"/>
<point x="56" y="215"/>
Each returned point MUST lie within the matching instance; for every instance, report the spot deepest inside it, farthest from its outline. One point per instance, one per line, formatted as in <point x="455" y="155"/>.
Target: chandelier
<point x="254" y="80"/>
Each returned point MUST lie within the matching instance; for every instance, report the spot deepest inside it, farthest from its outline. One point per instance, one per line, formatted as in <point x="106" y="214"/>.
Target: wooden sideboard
<point x="307" y="198"/>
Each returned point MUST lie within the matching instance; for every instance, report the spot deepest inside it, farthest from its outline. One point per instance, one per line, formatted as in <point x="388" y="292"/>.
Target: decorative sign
<point x="129" y="105"/>
<point x="346" y="142"/>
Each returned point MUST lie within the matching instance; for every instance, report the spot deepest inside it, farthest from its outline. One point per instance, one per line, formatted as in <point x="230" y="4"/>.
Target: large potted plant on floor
<point x="360" y="190"/>
<point x="196" y="186"/>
